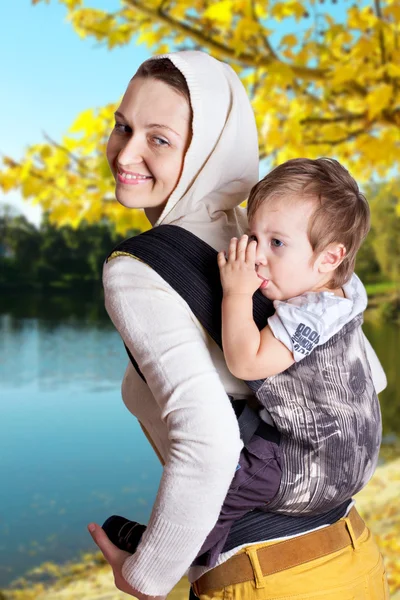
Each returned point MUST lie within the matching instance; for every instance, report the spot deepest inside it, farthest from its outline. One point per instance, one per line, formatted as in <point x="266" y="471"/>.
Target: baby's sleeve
<point x="297" y="327"/>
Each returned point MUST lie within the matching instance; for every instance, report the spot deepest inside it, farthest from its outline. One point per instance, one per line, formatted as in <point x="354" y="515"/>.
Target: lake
<point x="70" y="452"/>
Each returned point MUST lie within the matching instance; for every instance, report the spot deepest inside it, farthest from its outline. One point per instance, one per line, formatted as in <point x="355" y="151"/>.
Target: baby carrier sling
<point x="327" y="456"/>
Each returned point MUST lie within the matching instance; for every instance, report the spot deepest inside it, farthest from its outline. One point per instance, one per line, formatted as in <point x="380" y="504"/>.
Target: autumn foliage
<point x="323" y="86"/>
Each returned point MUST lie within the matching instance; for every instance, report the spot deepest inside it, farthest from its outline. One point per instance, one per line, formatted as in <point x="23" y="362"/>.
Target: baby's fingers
<point x="221" y="259"/>
<point x="232" y="250"/>
<point x="251" y="253"/>
<point x="241" y="247"/>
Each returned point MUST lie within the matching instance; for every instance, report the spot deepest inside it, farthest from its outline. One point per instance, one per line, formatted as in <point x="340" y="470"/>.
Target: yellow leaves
<point x="322" y="88"/>
<point x="9" y="178"/>
<point x="280" y="74"/>
<point x="84" y="122"/>
<point x="221" y="12"/>
<point x="290" y="8"/>
<point x="392" y="11"/>
<point x="393" y="70"/>
<point x="90" y="21"/>
<point x="362" y="19"/>
<point x="289" y="41"/>
<point x="243" y="32"/>
<point x="72" y="4"/>
<point x="120" y="36"/>
<point x="378" y="99"/>
<point x="343" y="74"/>
<point x="261" y="9"/>
<point x="149" y="37"/>
<point x="364" y="47"/>
<point x="93" y="125"/>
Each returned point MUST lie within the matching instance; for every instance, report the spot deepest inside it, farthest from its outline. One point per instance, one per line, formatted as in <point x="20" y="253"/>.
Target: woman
<point x="185" y="149"/>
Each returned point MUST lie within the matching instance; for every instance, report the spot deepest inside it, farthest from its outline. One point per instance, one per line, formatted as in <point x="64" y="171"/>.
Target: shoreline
<point x="91" y="579"/>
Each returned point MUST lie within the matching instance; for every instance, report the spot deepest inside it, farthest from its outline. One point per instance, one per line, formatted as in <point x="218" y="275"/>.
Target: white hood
<point x="221" y="164"/>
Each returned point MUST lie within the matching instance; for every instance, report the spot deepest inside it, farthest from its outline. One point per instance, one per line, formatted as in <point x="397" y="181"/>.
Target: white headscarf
<point x="221" y="164"/>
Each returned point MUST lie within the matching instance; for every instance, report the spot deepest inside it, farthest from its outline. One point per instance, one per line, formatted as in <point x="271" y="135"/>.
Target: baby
<point x="318" y="429"/>
<point x="307" y="220"/>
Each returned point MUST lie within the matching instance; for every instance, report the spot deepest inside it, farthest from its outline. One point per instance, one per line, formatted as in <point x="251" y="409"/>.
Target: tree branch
<point x="381" y="36"/>
<point x="347" y="138"/>
<point x="76" y="159"/>
<point x="244" y="58"/>
<point x="267" y="45"/>
<point x="338" y="119"/>
<point x="49" y="180"/>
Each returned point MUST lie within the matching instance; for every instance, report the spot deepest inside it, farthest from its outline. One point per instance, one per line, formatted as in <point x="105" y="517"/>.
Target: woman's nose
<point x="131" y="153"/>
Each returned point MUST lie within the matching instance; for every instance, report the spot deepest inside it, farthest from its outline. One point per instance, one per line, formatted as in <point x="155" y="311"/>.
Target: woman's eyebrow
<point x="120" y="115"/>
<point x="159" y="126"/>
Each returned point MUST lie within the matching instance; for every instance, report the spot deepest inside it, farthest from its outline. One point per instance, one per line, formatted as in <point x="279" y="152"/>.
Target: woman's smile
<point x="131" y="178"/>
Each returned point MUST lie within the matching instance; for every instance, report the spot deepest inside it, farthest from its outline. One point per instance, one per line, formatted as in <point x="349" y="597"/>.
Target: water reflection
<point x="70" y="452"/>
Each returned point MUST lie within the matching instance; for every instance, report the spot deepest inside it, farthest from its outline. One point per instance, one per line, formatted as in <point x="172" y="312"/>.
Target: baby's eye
<point x="276" y="243"/>
<point x="121" y="128"/>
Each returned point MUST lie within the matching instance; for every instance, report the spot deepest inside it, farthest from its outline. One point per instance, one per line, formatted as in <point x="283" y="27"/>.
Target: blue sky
<point x="49" y="74"/>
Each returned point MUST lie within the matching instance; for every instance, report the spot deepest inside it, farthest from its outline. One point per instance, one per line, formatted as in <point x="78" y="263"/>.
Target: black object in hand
<point x="123" y="533"/>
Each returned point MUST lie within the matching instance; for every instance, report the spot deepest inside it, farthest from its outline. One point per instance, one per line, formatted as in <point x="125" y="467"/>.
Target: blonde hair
<point x="341" y="215"/>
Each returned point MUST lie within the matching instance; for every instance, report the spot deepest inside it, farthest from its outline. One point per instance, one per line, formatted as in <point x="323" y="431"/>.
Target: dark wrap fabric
<point x="179" y="257"/>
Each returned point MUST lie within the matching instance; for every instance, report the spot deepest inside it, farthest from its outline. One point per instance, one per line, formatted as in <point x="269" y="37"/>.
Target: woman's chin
<point x="130" y="200"/>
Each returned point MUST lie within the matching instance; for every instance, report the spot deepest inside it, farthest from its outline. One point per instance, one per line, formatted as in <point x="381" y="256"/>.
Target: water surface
<point x="70" y="452"/>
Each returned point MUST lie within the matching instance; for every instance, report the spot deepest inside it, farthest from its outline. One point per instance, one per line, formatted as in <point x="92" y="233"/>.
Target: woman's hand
<point x="116" y="558"/>
<point x="238" y="269"/>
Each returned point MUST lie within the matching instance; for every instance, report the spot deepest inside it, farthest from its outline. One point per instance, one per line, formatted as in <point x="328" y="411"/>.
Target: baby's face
<point x="284" y="257"/>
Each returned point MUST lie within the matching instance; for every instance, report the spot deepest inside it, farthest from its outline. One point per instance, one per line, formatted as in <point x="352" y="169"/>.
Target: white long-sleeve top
<point x="185" y="409"/>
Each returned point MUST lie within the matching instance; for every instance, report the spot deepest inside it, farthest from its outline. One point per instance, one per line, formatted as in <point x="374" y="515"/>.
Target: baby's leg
<point x="255" y="483"/>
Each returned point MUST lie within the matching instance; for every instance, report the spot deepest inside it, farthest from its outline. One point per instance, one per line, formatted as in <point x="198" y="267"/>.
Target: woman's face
<point x="147" y="146"/>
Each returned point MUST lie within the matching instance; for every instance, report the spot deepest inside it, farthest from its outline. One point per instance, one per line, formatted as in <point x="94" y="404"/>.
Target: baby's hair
<point x="341" y="215"/>
<point x="164" y="70"/>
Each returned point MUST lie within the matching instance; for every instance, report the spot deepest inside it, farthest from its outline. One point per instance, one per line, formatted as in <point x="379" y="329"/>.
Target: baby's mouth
<point x="264" y="283"/>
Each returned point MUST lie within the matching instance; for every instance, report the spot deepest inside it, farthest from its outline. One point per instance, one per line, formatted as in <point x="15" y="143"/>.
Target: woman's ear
<point x="331" y="257"/>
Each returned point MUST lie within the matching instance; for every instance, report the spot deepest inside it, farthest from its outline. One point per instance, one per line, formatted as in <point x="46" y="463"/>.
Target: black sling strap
<point x="190" y="266"/>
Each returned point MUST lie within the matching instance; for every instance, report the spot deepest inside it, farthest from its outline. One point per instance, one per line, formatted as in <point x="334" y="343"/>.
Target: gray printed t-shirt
<point x="309" y="320"/>
<point x="324" y="405"/>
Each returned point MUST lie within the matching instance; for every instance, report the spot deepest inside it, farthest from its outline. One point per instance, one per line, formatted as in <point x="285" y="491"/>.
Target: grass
<point x="383" y="287"/>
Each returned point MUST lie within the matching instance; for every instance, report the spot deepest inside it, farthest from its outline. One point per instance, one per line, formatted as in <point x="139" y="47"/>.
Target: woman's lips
<point x="132" y="178"/>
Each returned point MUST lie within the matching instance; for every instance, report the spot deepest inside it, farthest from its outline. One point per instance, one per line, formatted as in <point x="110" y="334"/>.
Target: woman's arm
<point x="204" y="444"/>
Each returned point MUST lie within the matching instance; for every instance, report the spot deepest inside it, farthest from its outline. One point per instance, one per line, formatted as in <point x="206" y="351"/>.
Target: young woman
<point x="184" y="148"/>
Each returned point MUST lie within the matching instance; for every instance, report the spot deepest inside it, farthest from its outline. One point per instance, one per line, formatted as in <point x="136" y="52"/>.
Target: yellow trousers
<point x="353" y="573"/>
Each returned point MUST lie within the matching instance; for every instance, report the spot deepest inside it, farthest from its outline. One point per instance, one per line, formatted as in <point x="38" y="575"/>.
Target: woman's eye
<point x="276" y="243"/>
<point x="160" y="141"/>
<point x="121" y="128"/>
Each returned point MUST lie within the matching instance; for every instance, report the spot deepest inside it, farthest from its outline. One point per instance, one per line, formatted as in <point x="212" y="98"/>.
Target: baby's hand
<point x="238" y="270"/>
